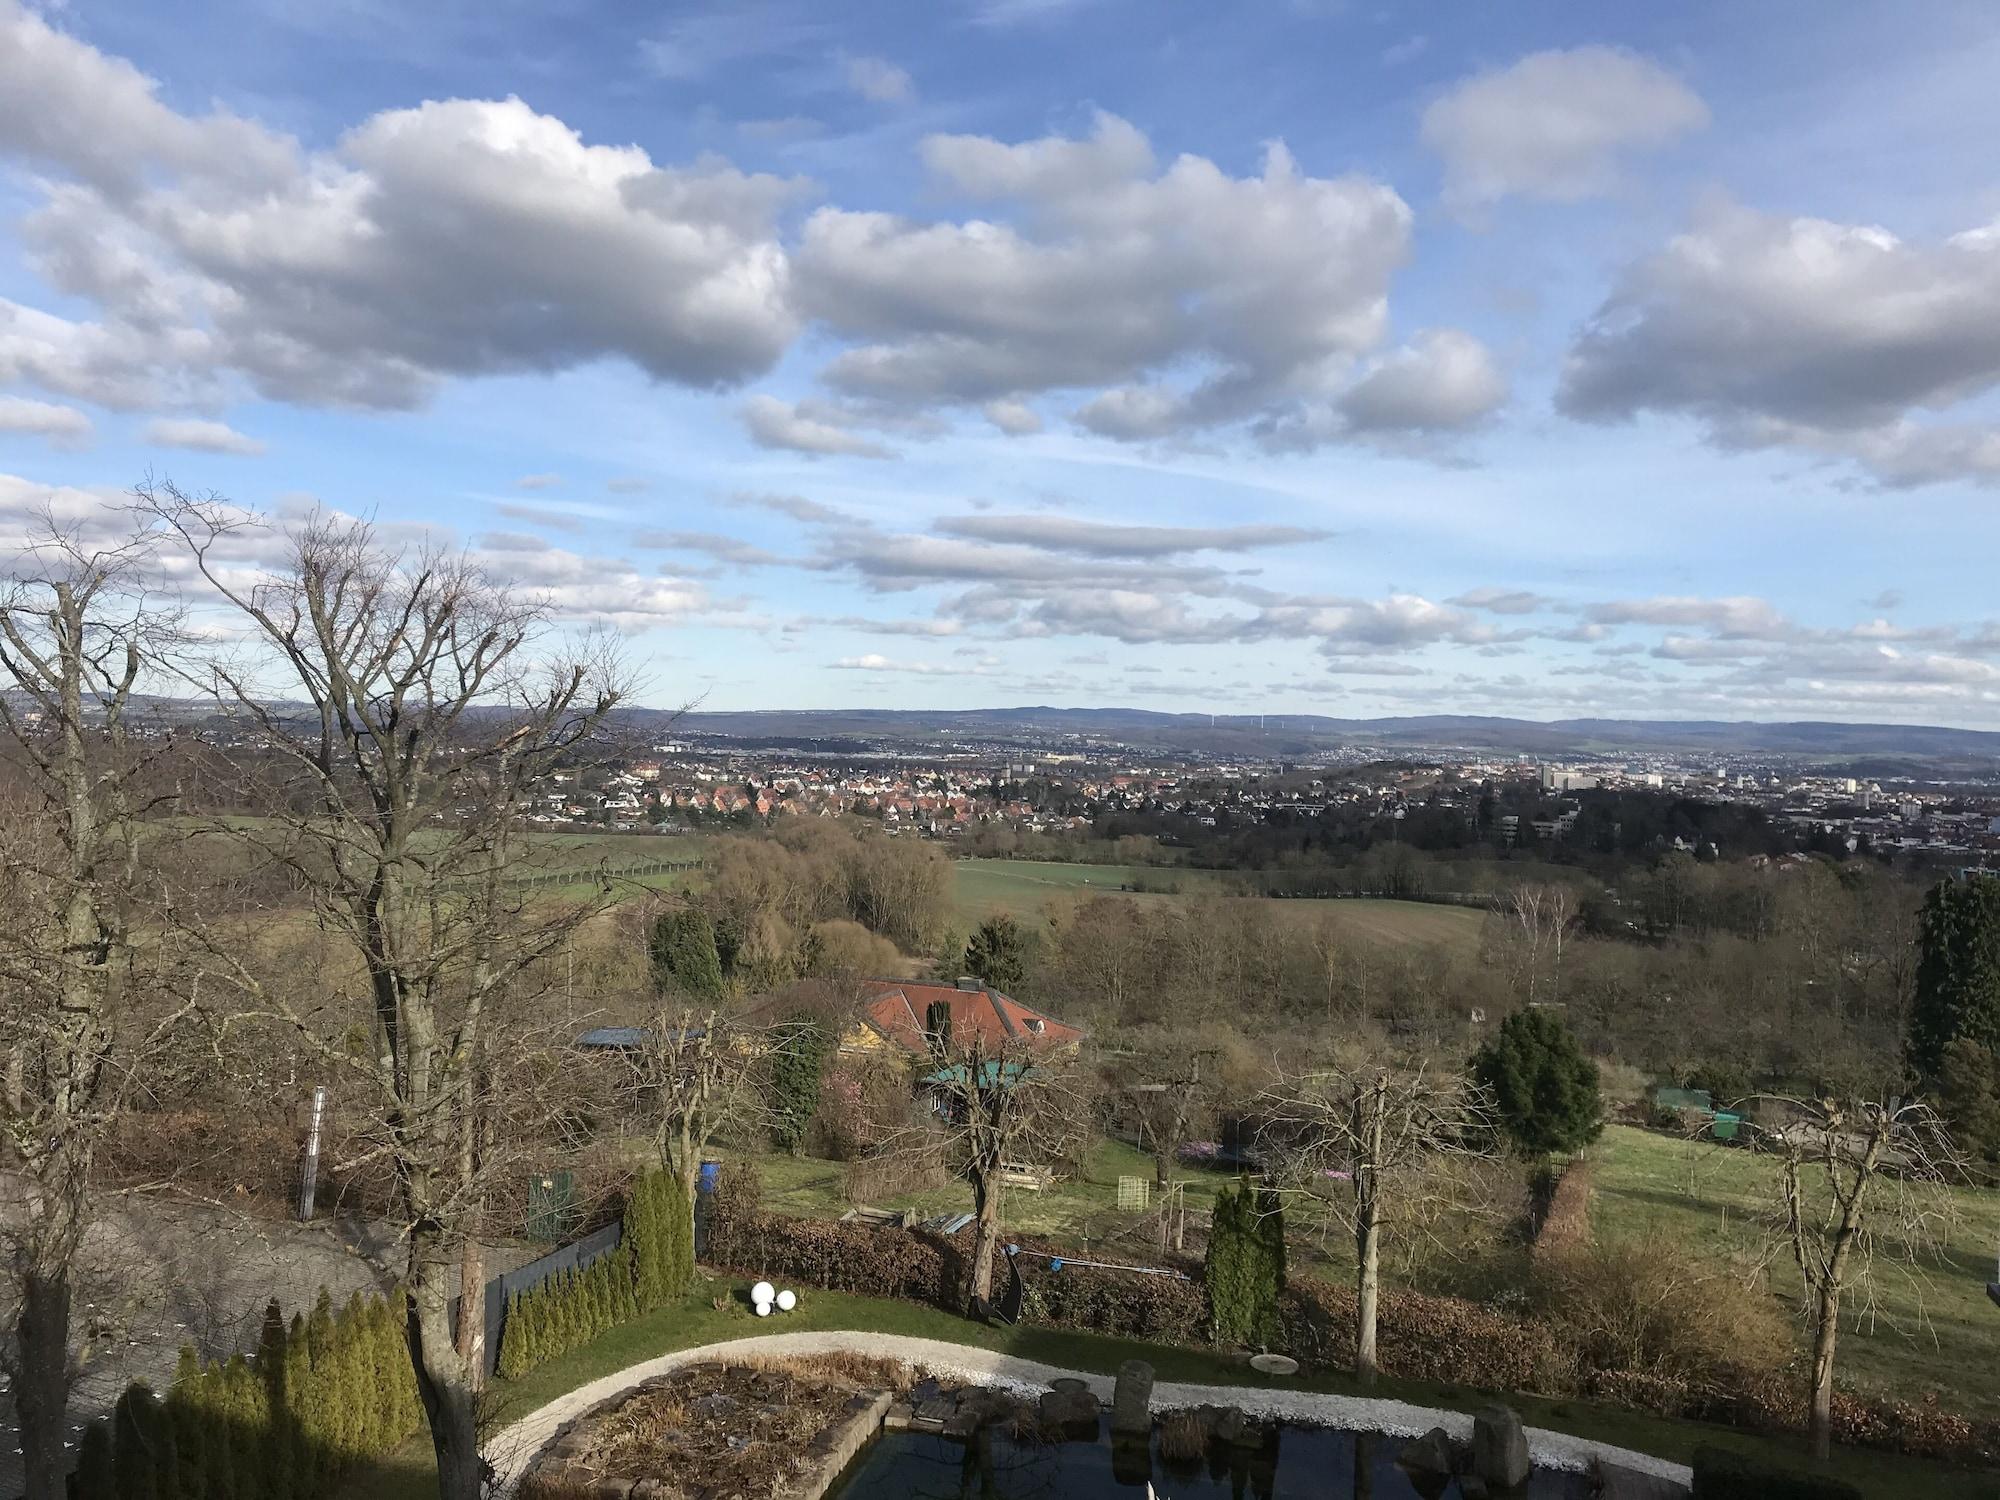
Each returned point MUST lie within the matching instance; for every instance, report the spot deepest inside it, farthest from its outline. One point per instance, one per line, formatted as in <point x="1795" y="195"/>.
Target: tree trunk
<point x="986" y="1207"/>
<point x="42" y="1335"/>
<point x="1367" y="1267"/>
<point x="1368" y="1231"/>
<point x="444" y="1382"/>
<point x="1825" y="1332"/>
<point x="472" y="1310"/>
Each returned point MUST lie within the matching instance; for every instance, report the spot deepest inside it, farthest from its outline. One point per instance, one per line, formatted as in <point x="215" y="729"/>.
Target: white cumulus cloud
<point x="1554" y="125"/>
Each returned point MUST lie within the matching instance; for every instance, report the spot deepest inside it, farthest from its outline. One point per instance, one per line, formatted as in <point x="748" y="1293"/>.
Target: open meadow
<point x="1023" y="888"/>
<point x="1931" y="1328"/>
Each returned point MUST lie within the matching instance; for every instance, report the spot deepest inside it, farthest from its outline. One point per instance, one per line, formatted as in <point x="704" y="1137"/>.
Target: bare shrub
<point x="1651" y="1307"/>
<point x="883" y="1179"/>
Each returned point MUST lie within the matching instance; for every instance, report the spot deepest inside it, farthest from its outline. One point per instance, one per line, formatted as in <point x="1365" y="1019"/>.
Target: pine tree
<point x="392" y="1372"/>
<point x="300" y="1425"/>
<point x="96" y="1469"/>
<point x="677" y="1230"/>
<point x="357" y="1375"/>
<point x="600" y="1296"/>
<point x="274" y="1470"/>
<point x="628" y="1290"/>
<point x="533" y="1339"/>
<point x="513" y="1341"/>
<point x="141" y="1454"/>
<point x="684" y="956"/>
<point x="188" y="1420"/>
<point x="1958" y="972"/>
<point x="1544" y="1089"/>
<point x="230" y="1457"/>
<point x="1245" y="1271"/>
<point x="997" y="953"/>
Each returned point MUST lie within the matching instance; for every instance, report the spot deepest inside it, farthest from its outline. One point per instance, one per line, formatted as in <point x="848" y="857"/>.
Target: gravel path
<point x="511" y="1449"/>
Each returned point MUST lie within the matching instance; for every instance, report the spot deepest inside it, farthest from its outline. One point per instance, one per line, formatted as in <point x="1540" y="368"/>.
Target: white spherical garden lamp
<point x="787" y="1300"/>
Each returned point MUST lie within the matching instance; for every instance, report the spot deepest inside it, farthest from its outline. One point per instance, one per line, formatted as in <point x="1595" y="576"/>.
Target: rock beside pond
<point x="1069" y="1405"/>
<point x="1428" y="1455"/>
<point x="1132" y="1399"/>
<point x="1499" y="1447"/>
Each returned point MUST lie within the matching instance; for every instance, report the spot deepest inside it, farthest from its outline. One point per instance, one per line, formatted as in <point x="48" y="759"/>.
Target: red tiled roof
<point x="898" y="1009"/>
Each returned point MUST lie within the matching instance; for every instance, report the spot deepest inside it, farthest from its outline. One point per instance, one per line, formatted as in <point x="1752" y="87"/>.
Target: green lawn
<point x="1082" y="1211"/>
<point x="410" y="1474"/>
<point x="1022" y="887"/>
<point x="1710" y="1197"/>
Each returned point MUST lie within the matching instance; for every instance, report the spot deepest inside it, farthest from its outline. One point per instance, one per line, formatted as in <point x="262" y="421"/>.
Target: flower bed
<point x="780" y="1428"/>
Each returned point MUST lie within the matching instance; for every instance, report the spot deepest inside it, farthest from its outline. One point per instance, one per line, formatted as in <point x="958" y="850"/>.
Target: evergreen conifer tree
<point x="274" y="1470"/>
<point x="1544" y="1088"/>
<point x="96" y="1469"/>
<point x="685" y="959"/>
<point x="1958" y="972"/>
<point x="188" y="1421"/>
<point x="141" y="1453"/>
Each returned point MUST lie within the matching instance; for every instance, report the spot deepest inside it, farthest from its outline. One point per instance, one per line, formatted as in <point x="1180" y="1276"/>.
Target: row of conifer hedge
<point x="321" y="1394"/>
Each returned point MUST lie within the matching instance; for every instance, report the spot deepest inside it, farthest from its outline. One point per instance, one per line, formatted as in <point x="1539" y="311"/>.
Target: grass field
<point x="716" y="1311"/>
<point x="1082" y="1211"/>
<point x="1710" y="1198"/>
<point x="1022" y="888"/>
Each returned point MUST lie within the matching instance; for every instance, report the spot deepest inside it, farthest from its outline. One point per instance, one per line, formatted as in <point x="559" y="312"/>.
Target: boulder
<point x="1499" y="1447"/>
<point x="1429" y="1454"/>
<point x="1227" y="1423"/>
<point x="1132" y="1399"/>
<point x="1069" y="1409"/>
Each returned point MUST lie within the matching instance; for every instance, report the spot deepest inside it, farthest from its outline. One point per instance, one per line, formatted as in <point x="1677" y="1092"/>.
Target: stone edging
<point x="512" y="1449"/>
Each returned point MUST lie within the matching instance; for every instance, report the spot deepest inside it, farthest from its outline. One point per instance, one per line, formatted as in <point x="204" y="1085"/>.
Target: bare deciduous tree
<point x="990" y="1108"/>
<point x="1373" y="1153"/>
<point x="1540" y="918"/>
<point x="77" y="630"/>
<point x="693" y="1075"/>
<point x="1168" y="1086"/>
<point x="1857" y="1180"/>
<point x="407" y="708"/>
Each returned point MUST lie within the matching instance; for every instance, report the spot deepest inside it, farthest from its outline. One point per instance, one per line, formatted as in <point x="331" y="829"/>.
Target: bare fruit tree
<point x="987" y="1110"/>
<point x="1859" y="1181"/>
<point x="692" y="1075"/>
<point x="408" y="709"/>
<point x="1168" y="1086"/>
<point x="80" y="1021"/>
<point x="1373" y="1153"/>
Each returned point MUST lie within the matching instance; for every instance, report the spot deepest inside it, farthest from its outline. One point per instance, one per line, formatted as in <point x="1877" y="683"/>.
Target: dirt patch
<point x="750" y="1429"/>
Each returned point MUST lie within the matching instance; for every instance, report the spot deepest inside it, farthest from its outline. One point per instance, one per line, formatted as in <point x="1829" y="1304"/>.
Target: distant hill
<point x="1283" y="734"/>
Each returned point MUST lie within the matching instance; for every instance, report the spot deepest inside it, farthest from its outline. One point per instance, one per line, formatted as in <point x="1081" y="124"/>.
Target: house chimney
<point x="967" y="982"/>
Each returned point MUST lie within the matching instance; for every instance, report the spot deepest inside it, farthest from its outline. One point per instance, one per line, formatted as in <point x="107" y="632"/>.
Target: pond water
<point x="1293" y="1463"/>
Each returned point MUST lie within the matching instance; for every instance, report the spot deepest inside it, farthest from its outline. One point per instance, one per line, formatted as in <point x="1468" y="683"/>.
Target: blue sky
<point x="1291" y="356"/>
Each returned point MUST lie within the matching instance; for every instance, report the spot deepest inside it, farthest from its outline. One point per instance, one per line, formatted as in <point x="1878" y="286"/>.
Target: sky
<point x="1281" y="356"/>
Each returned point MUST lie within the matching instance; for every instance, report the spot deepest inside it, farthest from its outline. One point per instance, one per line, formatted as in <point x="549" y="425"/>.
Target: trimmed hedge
<point x="1566" y="1216"/>
<point x="652" y="1267"/>
<point x="900" y="1263"/>
<point x="324" y="1393"/>
<point x="659" y="1228"/>
<point x="567" y="1311"/>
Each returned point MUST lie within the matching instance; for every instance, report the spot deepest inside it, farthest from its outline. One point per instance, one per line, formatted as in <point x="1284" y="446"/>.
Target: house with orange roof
<point x="900" y="1015"/>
